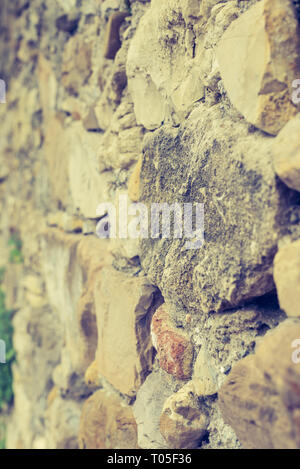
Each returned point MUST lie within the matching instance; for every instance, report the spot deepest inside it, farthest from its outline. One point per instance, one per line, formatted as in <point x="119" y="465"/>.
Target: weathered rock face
<point x="205" y="380"/>
<point x="174" y="350"/>
<point x="107" y="423"/>
<point x="287" y="278"/>
<point x="241" y="231"/>
<point x="286" y="154"/>
<point x="162" y="76"/>
<point x="72" y="265"/>
<point x="125" y="352"/>
<point x="77" y="64"/>
<point x="260" y="398"/>
<point x="148" y="407"/>
<point x="258" y="70"/>
<point x="183" y="422"/>
<point x="62" y="424"/>
<point x="168" y="342"/>
<point x="38" y="341"/>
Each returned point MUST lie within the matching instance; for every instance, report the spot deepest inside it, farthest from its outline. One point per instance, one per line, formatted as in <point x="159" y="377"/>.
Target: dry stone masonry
<point x="127" y="343"/>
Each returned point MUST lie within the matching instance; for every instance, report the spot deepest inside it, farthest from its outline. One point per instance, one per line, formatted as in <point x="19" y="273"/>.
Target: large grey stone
<point x="148" y="407"/>
<point x="220" y="162"/>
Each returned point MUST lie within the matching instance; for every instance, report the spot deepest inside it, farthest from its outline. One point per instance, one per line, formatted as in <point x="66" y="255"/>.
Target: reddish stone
<point x="174" y="351"/>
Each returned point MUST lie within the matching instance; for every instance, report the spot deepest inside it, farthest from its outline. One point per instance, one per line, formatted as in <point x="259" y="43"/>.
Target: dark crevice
<point x="297" y="8"/>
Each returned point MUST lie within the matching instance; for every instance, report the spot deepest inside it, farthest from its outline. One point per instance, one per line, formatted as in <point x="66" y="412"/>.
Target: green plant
<point x="2" y="435"/>
<point x="6" y="332"/>
<point x="15" y="255"/>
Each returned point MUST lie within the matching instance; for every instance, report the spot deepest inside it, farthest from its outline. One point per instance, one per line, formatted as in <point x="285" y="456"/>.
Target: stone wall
<point x="128" y="343"/>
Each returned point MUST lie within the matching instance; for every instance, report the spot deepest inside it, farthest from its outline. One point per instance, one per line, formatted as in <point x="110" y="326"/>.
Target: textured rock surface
<point x="125" y="352"/>
<point x="107" y="423"/>
<point x="183" y="422"/>
<point x="148" y="407"/>
<point x="72" y="265"/>
<point x="258" y="70"/>
<point x="286" y="153"/>
<point x="162" y="76"/>
<point x="241" y="231"/>
<point x="260" y="398"/>
<point x="174" y="350"/>
<point x="287" y="278"/>
<point x="180" y="102"/>
<point x="204" y="377"/>
<point x="62" y="424"/>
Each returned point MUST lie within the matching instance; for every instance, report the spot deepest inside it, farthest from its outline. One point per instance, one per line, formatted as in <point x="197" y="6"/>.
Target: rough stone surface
<point x="62" y="424"/>
<point x="286" y="153"/>
<point x="185" y="109"/>
<point x="125" y="352"/>
<point x="148" y="408"/>
<point x="174" y="350"/>
<point x="205" y="380"/>
<point x="260" y="398"/>
<point x="72" y="265"/>
<point x="162" y="77"/>
<point x="183" y="423"/>
<point x="107" y="423"/>
<point x="258" y="70"/>
<point x="287" y="278"/>
<point x="241" y="230"/>
<point x="134" y="182"/>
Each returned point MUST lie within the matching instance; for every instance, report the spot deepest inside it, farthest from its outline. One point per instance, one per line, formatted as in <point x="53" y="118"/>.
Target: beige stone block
<point x="205" y="379"/>
<point x="124" y="307"/>
<point x="47" y="87"/>
<point x="163" y="79"/>
<point x="183" y="423"/>
<point x="107" y="423"/>
<point x="286" y="153"/>
<point x="287" y="278"/>
<point x="134" y="182"/>
<point x="72" y="264"/>
<point x="259" y="68"/>
<point x="260" y="397"/>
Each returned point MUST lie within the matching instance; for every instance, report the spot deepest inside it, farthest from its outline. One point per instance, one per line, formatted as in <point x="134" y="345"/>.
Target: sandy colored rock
<point x="134" y="182"/>
<point x="65" y="221"/>
<point x="62" y="424"/>
<point x="183" y="423"/>
<point x="71" y="266"/>
<point x="287" y="278"/>
<point x="38" y="340"/>
<point x="82" y="151"/>
<point x="107" y="423"/>
<point x="286" y="153"/>
<point x="47" y="87"/>
<point x="92" y="377"/>
<point x="260" y="397"/>
<point x="90" y="122"/>
<point x="124" y="308"/>
<point x="76" y="68"/>
<point x="120" y="150"/>
<point x="205" y="380"/>
<point x="258" y="70"/>
<point x="56" y="150"/>
<point x="162" y="77"/>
